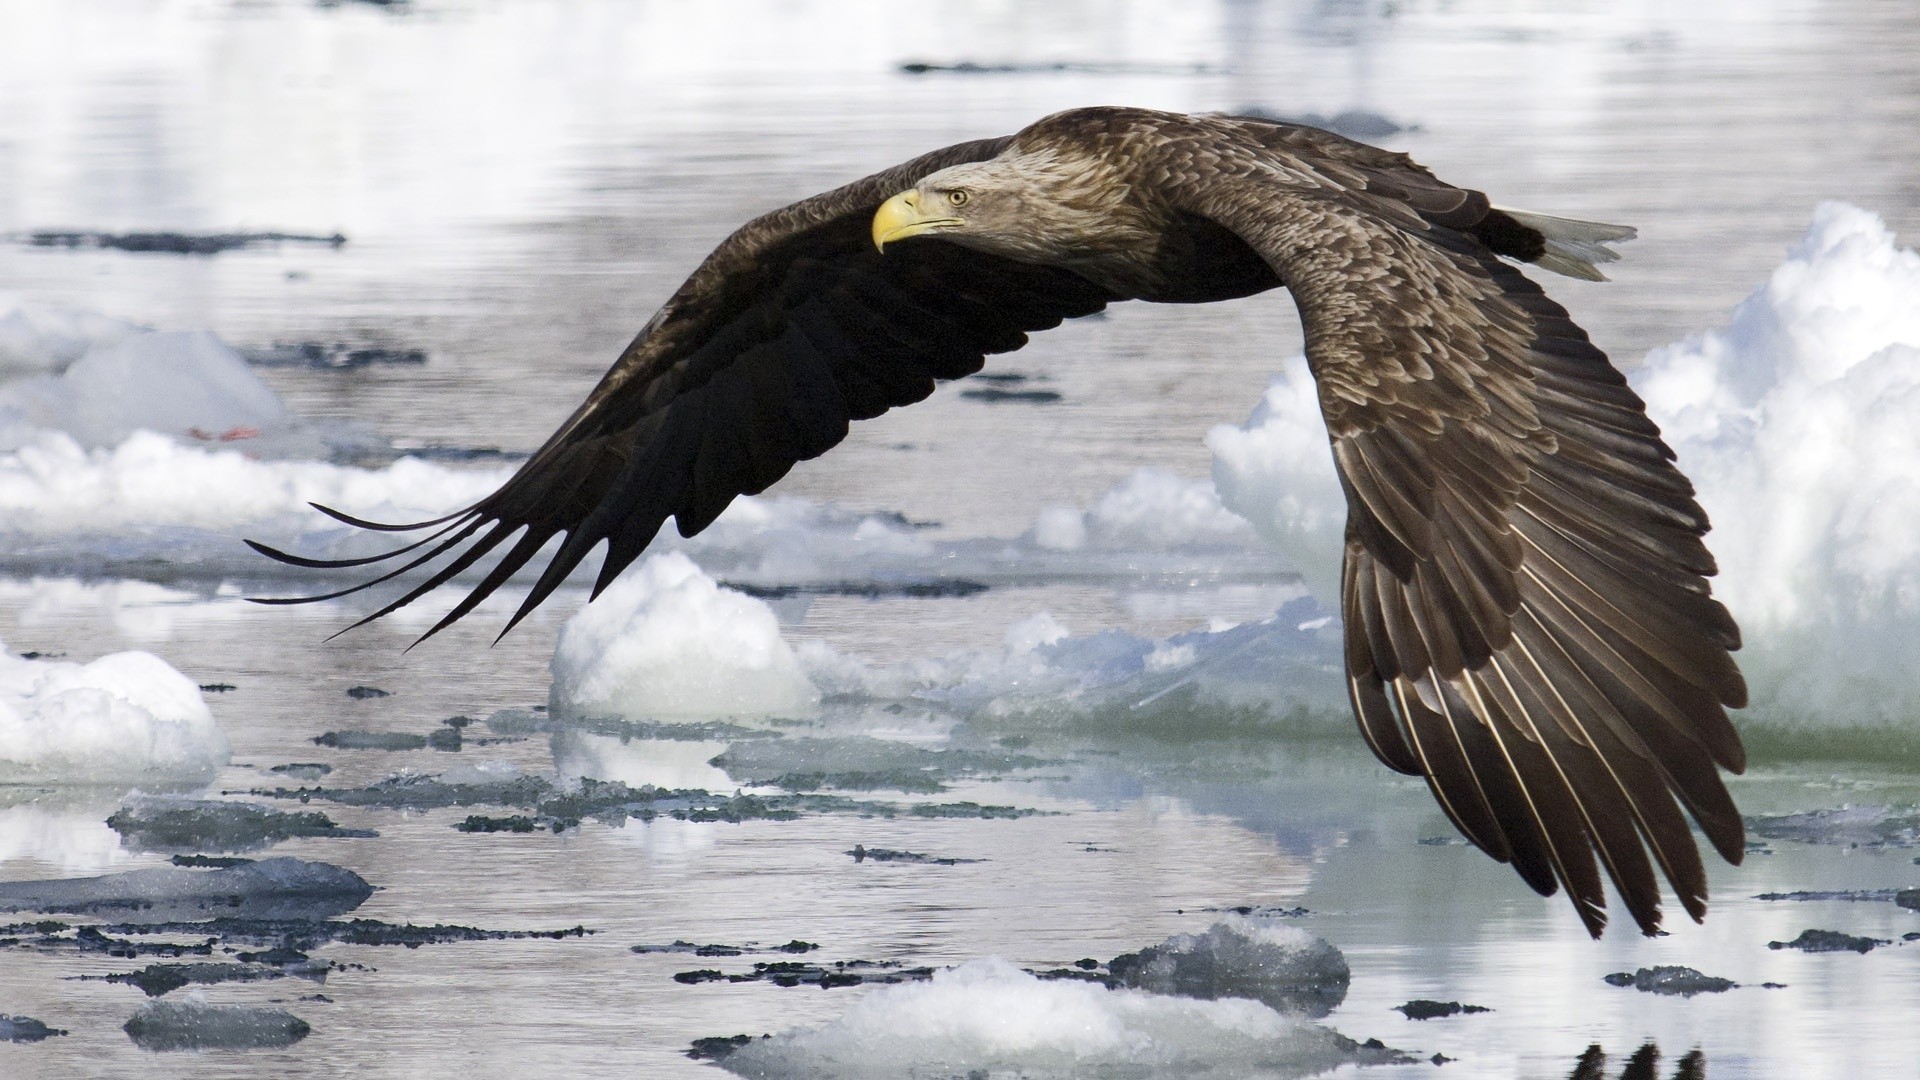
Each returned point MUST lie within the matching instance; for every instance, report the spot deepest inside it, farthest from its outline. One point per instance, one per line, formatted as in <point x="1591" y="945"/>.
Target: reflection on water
<point x="1641" y="1066"/>
<point x="521" y="184"/>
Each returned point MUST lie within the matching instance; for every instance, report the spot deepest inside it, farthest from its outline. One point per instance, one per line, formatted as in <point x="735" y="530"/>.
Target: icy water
<point x="519" y="185"/>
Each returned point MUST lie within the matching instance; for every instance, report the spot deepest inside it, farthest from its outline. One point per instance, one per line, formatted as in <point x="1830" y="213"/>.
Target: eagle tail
<point x="1573" y="247"/>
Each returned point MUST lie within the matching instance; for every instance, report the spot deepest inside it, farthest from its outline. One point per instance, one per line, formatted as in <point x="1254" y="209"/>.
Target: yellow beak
<point x="901" y="217"/>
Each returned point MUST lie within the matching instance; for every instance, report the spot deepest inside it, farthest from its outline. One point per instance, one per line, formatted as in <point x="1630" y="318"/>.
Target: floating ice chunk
<point x="35" y="337"/>
<point x="1281" y="667"/>
<point x="1671" y="979"/>
<point x="187" y="385"/>
<point x="987" y="1017"/>
<point x="128" y="719"/>
<point x="1272" y="963"/>
<point x="1276" y="471"/>
<point x="665" y="640"/>
<point x="1031" y="633"/>
<point x="1798" y="423"/>
<point x="279" y="888"/>
<point x="21" y="1029"/>
<point x="1151" y="510"/>
<point x="1830" y="941"/>
<point x="196" y="1025"/>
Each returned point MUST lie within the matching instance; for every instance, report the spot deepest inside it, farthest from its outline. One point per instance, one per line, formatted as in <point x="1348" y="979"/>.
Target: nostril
<point x="911" y="198"/>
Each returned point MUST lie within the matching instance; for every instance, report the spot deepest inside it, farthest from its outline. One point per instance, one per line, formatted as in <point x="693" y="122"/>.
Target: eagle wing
<point x="792" y="327"/>
<point x="1527" y="617"/>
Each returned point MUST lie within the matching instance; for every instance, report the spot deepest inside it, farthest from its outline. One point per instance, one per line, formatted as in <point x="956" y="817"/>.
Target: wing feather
<point x="791" y="329"/>
<point x="1528" y="620"/>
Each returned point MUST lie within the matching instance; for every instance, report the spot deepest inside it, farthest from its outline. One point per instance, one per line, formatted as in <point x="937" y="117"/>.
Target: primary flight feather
<point x="1528" y="623"/>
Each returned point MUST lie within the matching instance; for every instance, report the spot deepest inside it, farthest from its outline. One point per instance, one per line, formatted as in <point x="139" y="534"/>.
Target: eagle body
<point x="1526" y="610"/>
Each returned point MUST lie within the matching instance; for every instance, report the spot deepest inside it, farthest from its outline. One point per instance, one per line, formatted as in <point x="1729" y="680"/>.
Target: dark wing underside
<point x="793" y="327"/>
<point x="1527" y="617"/>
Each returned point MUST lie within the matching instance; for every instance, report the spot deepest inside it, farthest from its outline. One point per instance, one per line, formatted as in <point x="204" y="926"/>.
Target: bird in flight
<point x="1528" y="623"/>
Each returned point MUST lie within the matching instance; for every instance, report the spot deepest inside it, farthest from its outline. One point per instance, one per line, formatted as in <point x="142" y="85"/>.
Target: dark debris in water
<point x="861" y="764"/>
<point x="156" y="980"/>
<point x="174" y="243"/>
<point x="442" y="738"/>
<point x="1428" y="1009"/>
<point x="537" y="722"/>
<point x="1849" y="826"/>
<point x="25" y="1029"/>
<point x="189" y="825"/>
<point x="792" y="973"/>
<point x="514" y="823"/>
<point x="1260" y="911"/>
<point x="303" y="770"/>
<point x="1671" y="979"/>
<point x="217" y="862"/>
<point x="1862" y="895"/>
<point x="994" y="395"/>
<point x="217" y="687"/>
<point x="795" y="947"/>
<point x="241" y="937"/>
<point x="336" y="356"/>
<point x="1829" y="941"/>
<point x="869" y="590"/>
<point x="716" y="1047"/>
<point x="614" y="803"/>
<point x="362" y="693"/>
<point x="862" y="853"/>
<point x="1058" y="67"/>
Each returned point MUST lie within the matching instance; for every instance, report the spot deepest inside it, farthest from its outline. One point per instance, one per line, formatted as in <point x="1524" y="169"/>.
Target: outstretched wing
<point x="793" y="327"/>
<point x="1528" y="621"/>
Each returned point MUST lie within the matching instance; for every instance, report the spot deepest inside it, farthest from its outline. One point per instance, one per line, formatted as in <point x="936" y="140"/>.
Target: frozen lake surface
<point x="1006" y="738"/>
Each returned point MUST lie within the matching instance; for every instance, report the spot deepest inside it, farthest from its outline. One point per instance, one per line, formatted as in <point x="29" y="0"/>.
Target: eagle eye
<point x="957" y="197"/>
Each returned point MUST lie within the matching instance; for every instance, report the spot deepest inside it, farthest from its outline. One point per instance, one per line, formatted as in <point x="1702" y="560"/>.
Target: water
<point x="521" y="185"/>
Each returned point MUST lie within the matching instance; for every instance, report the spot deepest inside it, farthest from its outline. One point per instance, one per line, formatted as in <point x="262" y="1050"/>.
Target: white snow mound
<point x="665" y="640"/>
<point x="125" y="720"/>
<point x="987" y="1017"/>
<point x="1276" y="470"/>
<point x="1799" y="423"/>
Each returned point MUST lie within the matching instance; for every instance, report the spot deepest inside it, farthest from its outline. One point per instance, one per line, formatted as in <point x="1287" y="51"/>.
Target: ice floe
<point x="127" y="719"/>
<point x="1278" y="965"/>
<point x="280" y="888"/>
<point x="665" y="640"/>
<point x="987" y="1017"/>
<point x="198" y="1025"/>
<point x="1799" y="422"/>
<point x="36" y="338"/>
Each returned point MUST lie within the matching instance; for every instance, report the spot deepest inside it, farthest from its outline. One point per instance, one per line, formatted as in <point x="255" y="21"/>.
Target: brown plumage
<point x="1527" y="617"/>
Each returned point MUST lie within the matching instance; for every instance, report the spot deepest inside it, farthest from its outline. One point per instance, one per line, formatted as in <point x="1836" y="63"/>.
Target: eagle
<point x="1525" y="601"/>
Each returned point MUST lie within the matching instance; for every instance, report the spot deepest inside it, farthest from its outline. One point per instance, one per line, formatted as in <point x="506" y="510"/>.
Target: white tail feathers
<point x="1574" y="248"/>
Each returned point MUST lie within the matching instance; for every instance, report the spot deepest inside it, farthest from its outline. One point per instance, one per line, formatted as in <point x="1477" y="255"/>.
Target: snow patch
<point x="1799" y="422"/>
<point x="1276" y="470"/>
<point x="987" y="1016"/>
<point x="665" y="640"/>
<point x="1151" y="510"/>
<point x="39" y="338"/>
<point x="126" y="720"/>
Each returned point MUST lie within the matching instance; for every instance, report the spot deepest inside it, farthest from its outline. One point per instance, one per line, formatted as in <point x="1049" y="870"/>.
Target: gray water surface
<point x="520" y="185"/>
